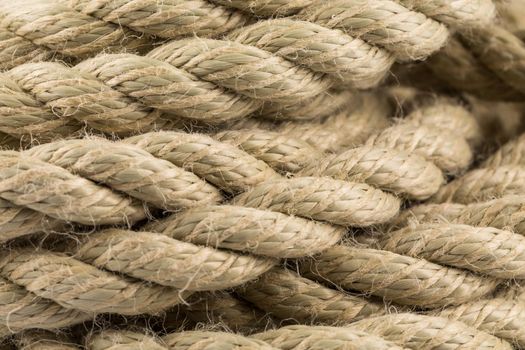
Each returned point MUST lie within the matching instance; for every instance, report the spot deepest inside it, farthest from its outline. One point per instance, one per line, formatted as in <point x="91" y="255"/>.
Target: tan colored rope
<point x="483" y="184"/>
<point x="503" y="318"/>
<point x="167" y="19"/>
<point x="223" y="165"/>
<point x="44" y="340"/>
<point x="156" y="258"/>
<point x="288" y="296"/>
<point x="51" y="190"/>
<point x="46" y="28"/>
<point x="511" y="153"/>
<point x="321" y="338"/>
<point x="76" y="285"/>
<point x="485" y="250"/>
<point x="346" y="59"/>
<point x="503" y="213"/>
<point x="250" y="230"/>
<point x="21" y="309"/>
<point x="129" y="169"/>
<point x="426" y="332"/>
<point x="280" y="151"/>
<point x="339" y="202"/>
<point x="402" y="279"/>
<point x="396" y="171"/>
<point x="122" y="340"/>
<point x="203" y="340"/>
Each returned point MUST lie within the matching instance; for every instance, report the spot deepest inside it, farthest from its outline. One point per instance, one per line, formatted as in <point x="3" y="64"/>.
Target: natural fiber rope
<point x="503" y="318"/>
<point x="485" y="250"/>
<point x="320" y="338"/>
<point x="43" y="340"/>
<point x="425" y="332"/>
<point x="504" y="213"/>
<point x="288" y="296"/>
<point x="511" y="153"/>
<point x="115" y="340"/>
<point x="402" y="279"/>
<point x="249" y="230"/>
<point x="82" y="287"/>
<point x="156" y="258"/>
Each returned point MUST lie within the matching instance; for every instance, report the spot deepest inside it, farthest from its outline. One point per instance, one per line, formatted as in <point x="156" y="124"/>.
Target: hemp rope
<point x="324" y="199"/>
<point x="249" y="230"/>
<point x="483" y="184"/>
<point x="485" y="250"/>
<point x="160" y="259"/>
<point x="122" y="339"/>
<point x="401" y="279"/>
<point x="51" y="190"/>
<point x="504" y="213"/>
<point x="321" y="338"/>
<point x="511" y="153"/>
<point x="129" y="169"/>
<point x="286" y="295"/>
<point x="427" y="332"/>
<point x="43" y="340"/>
<point x="76" y="285"/>
<point x="503" y="318"/>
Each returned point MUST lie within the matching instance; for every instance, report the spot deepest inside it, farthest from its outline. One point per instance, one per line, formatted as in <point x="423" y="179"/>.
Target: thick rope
<point x="249" y="230"/>
<point x="288" y="296"/>
<point x="503" y="213"/>
<point x="339" y="202"/>
<point x="401" y="279"/>
<point x="76" y="285"/>
<point x="129" y="169"/>
<point x="318" y="338"/>
<point x="425" y="332"/>
<point x="483" y="184"/>
<point x="51" y="190"/>
<point x="503" y="318"/>
<point x="123" y="339"/>
<point x="221" y="164"/>
<point x="157" y="258"/>
<point x="485" y="250"/>
<point x="44" y="340"/>
<point x="511" y="153"/>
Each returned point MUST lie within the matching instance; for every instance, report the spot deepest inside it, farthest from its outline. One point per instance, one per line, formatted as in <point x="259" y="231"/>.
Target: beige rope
<point x="121" y="340"/>
<point x="346" y="59"/>
<point x="288" y="296"/>
<point x="485" y="250"/>
<point x="250" y="230"/>
<point x="396" y="171"/>
<point x="503" y="318"/>
<point x="21" y="309"/>
<point x="202" y="340"/>
<point x="43" y="340"/>
<point x="319" y="338"/>
<point x="511" y="153"/>
<point x="426" y="332"/>
<point x="483" y="184"/>
<point x="51" y="190"/>
<point x="128" y="169"/>
<point x="223" y="165"/>
<point x="401" y="279"/>
<point x="504" y="213"/>
<point x="156" y="258"/>
<point x="339" y="202"/>
<point x="76" y="285"/>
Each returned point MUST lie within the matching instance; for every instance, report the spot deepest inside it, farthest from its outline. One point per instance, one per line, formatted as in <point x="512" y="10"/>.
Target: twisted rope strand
<point x="112" y="339"/>
<point x="286" y="295"/>
<point x="76" y="285"/>
<point x="426" y="332"/>
<point x="154" y="257"/>
<point x="402" y="279"/>
<point x="202" y="340"/>
<point x="130" y="170"/>
<point x="511" y="153"/>
<point x="324" y="199"/>
<point x="485" y="250"/>
<point x="249" y="230"/>
<point x="43" y="340"/>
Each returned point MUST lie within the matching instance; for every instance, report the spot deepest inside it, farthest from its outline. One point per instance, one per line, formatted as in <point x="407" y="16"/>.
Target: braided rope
<point x="483" y="184"/>
<point x="402" y="279"/>
<point x="249" y="230"/>
<point x="504" y="213"/>
<point x="168" y="262"/>
<point x="318" y="338"/>
<point x="324" y="199"/>
<point x="485" y="250"/>
<point x="286" y="295"/>
<point x="426" y="332"/>
<point x="82" y="287"/>
<point x="503" y="318"/>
